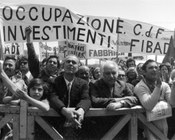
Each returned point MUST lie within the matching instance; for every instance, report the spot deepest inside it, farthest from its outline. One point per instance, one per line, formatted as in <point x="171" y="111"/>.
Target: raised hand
<point x="28" y="31"/>
<point x="159" y="79"/>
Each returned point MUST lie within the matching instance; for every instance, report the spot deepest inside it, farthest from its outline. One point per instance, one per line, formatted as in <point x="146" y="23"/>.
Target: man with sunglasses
<point x="24" y="69"/>
<point x="122" y="77"/>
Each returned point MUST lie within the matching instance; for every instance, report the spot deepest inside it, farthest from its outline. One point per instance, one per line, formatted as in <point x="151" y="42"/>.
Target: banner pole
<point x="117" y="46"/>
<point x="1" y="48"/>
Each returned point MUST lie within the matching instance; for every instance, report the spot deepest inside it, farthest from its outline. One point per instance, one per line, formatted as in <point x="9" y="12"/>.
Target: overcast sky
<point x="157" y="12"/>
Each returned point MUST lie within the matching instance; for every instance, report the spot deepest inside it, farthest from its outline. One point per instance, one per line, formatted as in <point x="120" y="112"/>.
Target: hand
<point x="80" y="116"/>
<point x="114" y="106"/>
<point x="71" y="116"/>
<point x="159" y="79"/>
<point x="132" y="99"/>
<point x="21" y="94"/>
<point x="165" y="77"/>
<point x="28" y="31"/>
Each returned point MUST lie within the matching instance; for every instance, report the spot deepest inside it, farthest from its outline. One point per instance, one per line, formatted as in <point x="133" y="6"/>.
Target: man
<point x="24" y="69"/>
<point x="84" y="73"/>
<point x="71" y="91"/>
<point x="9" y="67"/>
<point x="150" y="90"/>
<point x="122" y="77"/>
<point x="110" y="92"/>
<point x="130" y="63"/>
<point x="51" y="70"/>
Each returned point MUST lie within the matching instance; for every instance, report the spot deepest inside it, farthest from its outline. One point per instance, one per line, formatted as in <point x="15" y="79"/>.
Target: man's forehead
<point x="121" y="72"/>
<point x="152" y="64"/>
<point x="72" y="58"/>
<point x="10" y="61"/>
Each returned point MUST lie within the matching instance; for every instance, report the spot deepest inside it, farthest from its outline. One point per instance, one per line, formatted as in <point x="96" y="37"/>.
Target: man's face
<point x="83" y="73"/>
<point x="164" y="69"/>
<point x="151" y="71"/>
<point x="121" y="75"/>
<point x="24" y="66"/>
<point x="131" y="64"/>
<point x="52" y="64"/>
<point x="110" y="74"/>
<point x="71" y="65"/>
<point x="9" y="67"/>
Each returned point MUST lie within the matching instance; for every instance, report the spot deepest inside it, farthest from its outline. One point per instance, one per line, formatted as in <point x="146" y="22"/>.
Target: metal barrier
<point x="24" y="118"/>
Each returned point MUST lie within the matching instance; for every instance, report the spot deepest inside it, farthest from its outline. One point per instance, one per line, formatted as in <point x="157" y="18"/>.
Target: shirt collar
<point x="67" y="82"/>
<point x="28" y="74"/>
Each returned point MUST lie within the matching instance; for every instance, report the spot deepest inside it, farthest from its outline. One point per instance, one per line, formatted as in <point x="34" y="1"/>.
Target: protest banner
<point x="54" y="23"/>
<point x="48" y="48"/>
<point x="66" y="48"/>
<point x="15" y="49"/>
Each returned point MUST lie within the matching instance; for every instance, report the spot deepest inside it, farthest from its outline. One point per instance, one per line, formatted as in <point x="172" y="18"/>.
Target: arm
<point x="99" y="100"/>
<point x="33" y="62"/>
<point x="11" y="86"/>
<point x="172" y="97"/>
<point x="85" y="102"/>
<point x="11" y="100"/>
<point x="43" y="105"/>
<point x="147" y="99"/>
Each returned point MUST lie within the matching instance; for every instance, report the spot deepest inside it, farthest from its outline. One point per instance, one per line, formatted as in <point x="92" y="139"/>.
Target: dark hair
<point x="146" y="63"/>
<point x="54" y="56"/>
<point x="166" y="65"/>
<point x="130" y="60"/>
<point x="11" y="57"/>
<point x="44" y="60"/>
<point x="38" y="82"/>
<point x="22" y="58"/>
<point x="93" y="71"/>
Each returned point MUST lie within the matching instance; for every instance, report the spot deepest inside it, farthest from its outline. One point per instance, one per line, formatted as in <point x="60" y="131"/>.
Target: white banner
<point x="54" y="23"/>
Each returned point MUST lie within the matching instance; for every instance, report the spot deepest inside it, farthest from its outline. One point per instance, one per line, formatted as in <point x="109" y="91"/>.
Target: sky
<point x="157" y="12"/>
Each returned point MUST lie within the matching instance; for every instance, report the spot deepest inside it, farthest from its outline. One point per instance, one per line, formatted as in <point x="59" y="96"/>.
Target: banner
<point x="54" y="23"/>
<point x="48" y="48"/>
<point x="15" y="49"/>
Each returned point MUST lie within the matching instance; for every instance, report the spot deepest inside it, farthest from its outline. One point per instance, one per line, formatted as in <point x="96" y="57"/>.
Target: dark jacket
<point x="101" y="95"/>
<point x="34" y="66"/>
<point x="79" y="94"/>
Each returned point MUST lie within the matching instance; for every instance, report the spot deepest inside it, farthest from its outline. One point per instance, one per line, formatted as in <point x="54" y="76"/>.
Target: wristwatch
<point x="122" y="103"/>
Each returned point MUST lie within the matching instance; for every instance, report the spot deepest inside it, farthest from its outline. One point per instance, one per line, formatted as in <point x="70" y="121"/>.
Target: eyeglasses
<point x="121" y="75"/>
<point x="71" y="61"/>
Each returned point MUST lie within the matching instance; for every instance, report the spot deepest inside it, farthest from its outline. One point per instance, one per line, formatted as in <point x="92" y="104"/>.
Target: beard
<point x="9" y="72"/>
<point x="51" y="69"/>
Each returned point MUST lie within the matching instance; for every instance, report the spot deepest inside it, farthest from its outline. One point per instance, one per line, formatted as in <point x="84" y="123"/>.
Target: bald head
<point x="110" y="72"/>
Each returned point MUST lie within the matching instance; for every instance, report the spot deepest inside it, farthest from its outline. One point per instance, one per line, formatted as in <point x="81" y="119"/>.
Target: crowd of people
<point x="67" y="85"/>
